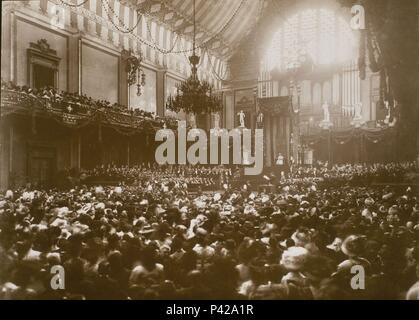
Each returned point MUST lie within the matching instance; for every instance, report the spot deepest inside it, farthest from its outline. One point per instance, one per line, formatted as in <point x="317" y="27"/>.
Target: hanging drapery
<point x="342" y="137"/>
<point x="76" y="116"/>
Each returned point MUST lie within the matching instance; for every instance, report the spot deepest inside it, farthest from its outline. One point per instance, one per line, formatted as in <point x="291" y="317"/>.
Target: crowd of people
<point x="361" y="173"/>
<point x="188" y="176"/>
<point x="222" y="177"/>
<point x="152" y="239"/>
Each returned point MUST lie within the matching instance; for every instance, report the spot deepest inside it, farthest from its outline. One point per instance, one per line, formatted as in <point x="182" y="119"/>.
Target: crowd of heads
<point x="153" y="239"/>
<point x="189" y="177"/>
<point x="73" y="102"/>
<point x="361" y="173"/>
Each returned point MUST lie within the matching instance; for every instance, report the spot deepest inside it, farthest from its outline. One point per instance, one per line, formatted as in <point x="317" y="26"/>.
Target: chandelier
<point x="135" y="73"/>
<point x="194" y="96"/>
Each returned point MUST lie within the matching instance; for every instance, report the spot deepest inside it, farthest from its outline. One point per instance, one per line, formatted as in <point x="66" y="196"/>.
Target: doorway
<point x="43" y="76"/>
<point x="41" y="166"/>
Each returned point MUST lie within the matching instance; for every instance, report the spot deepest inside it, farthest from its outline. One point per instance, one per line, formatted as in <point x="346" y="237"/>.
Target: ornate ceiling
<point x="221" y="24"/>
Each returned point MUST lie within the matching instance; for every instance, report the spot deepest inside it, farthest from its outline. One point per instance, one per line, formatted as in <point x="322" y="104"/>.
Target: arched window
<point x="320" y="34"/>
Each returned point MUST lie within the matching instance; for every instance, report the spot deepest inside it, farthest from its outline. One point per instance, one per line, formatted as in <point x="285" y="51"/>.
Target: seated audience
<point x="149" y="237"/>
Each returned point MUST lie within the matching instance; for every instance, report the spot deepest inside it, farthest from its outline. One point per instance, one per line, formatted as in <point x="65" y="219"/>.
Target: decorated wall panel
<point x="99" y="73"/>
<point x="27" y="32"/>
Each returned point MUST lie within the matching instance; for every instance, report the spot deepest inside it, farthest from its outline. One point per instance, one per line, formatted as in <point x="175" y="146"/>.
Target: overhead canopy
<point x="221" y="25"/>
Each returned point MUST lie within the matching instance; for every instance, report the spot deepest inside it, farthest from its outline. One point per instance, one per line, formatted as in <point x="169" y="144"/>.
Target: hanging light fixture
<point x="194" y="96"/>
<point x="140" y="81"/>
<point x="135" y="74"/>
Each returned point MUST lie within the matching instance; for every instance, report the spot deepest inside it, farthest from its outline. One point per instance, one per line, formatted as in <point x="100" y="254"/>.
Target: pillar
<point x="74" y="64"/>
<point x="4" y="156"/>
<point x="79" y="150"/>
<point x="329" y="148"/>
<point x="13" y="40"/>
<point x="11" y="147"/>
<point x="288" y="126"/>
<point x="160" y="91"/>
<point x="123" y="89"/>
<point x="128" y="151"/>
<point x="6" y="41"/>
<point x="274" y="130"/>
<point x="229" y="110"/>
<point x="268" y="133"/>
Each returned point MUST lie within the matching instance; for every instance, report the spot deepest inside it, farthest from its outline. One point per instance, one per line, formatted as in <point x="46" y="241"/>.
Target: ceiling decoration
<point x="221" y="24"/>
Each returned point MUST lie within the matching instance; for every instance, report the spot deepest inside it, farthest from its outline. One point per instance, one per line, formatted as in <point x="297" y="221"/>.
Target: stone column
<point x="287" y="152"/>
<point x="275" y="151"/>
<point x="79" y="150"/>
<point x="228" y="110"/>
<point x="6" y="41"/>
<point x="4" y="156"/>
<point x="268" y="143"/>
<point x="160" y="89"/>
<point x="123" y="83"/>
<point x="128" y="151"/>
<point x="74" y="55"/>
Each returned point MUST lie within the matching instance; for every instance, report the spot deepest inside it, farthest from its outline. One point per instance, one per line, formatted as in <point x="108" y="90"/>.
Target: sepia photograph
<point x="209" y="150"/>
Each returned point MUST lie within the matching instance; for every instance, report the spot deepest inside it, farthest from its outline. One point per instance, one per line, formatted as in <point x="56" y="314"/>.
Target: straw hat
<point x="294" y="258"/>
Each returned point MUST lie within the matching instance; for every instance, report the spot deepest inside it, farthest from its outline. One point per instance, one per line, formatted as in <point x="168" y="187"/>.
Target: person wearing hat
<point x="302" y="237"/>
<point x="18" y="288"/>
<point x="293" y="260"/>
<point x="147" y="270"/>
<point x="317" y="269"/>
<point x="354" y="248"/>
<point x="116" y="269"/>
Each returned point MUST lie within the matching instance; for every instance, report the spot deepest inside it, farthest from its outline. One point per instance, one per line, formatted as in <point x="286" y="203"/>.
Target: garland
<point x="73" y="5"/>
<point x="129" y="30"/>
<point x="15" y="101"/>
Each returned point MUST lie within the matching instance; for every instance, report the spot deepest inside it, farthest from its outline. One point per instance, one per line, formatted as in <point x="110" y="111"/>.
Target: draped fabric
<point x="344" y="136"/>
<point x="221" y="24"/>
<point x="124" y="122"/>
<point x="392" y="48"/>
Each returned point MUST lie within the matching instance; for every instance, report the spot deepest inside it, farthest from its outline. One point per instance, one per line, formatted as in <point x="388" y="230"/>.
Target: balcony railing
<point x="76" y="114"/>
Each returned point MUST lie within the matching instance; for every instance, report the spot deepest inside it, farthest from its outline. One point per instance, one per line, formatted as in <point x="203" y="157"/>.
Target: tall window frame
<point x="40" y="54"/>
<point x="321" y="34"/>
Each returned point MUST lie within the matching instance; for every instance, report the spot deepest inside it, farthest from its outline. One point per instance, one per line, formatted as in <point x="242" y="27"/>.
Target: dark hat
<point x="353" y="245"/>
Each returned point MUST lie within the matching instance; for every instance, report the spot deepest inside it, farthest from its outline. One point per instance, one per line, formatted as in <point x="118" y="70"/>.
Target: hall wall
<point x="100" y="69"/>
<point x="27" y="31"/>
<point x="89" y="47"/>
<point x="148" y="99"/>
<point x="74" y="31"/>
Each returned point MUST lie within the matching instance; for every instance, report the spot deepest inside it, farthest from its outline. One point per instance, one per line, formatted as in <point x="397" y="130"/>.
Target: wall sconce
<point x="135" y="74"/>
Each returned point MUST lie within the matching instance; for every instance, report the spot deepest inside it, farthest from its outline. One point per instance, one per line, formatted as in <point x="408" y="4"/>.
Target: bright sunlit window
<point x="318" y="34"/>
